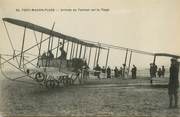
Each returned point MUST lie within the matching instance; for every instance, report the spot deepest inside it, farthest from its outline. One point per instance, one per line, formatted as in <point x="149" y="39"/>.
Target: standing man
<point x="151" y="73"/>
<point x="154" y="69"/>
<point x="98" y="70"/>
<point x="116" y="72"/>
<point x="159" y="72"/>
<point x="120" y="71"/>
<point x="63" y="53"/>
<point x="173" y="82"/>
<point x="108" y="72"/>
<point x="163" y="71"/>
<point x="134" y="69"/>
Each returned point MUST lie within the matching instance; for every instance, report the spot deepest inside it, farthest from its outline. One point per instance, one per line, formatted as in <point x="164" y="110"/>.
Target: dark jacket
<point x="174" y="73"/>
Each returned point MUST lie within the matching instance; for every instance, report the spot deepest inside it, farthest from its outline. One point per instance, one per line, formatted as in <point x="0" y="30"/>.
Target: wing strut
<point x="22" y="49"/>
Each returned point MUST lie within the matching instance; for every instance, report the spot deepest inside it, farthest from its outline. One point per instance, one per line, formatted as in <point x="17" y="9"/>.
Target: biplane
<point x="44" y="74"/>
<point x="50" y="69"/>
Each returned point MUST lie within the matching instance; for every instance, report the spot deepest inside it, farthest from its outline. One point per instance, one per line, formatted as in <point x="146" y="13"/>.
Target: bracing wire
<point x="16" y="78"/>
<point x="10" y="40"/>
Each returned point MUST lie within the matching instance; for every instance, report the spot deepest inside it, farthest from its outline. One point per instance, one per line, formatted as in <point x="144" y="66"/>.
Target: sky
<point x="148" y="25"/>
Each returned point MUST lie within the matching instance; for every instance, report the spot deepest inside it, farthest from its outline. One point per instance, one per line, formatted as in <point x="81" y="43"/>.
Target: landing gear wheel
<point x="50" y="83"/>
<point x="66" y="80"/>
<point x="56" y="83"/>
<point x="39" y="77"/>
<point x="70" y="81"/>
<point x="60" y="80"/>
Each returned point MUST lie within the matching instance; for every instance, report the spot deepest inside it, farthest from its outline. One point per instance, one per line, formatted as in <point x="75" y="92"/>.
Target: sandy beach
<point x="105" y="97"/>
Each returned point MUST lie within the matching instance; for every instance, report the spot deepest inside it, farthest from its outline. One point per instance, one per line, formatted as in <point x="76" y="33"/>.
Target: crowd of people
<point x="118" y="73"/>
<point x="173" y="84"/>
<point x="123" y="72"/>
<point x="155" y="71"/>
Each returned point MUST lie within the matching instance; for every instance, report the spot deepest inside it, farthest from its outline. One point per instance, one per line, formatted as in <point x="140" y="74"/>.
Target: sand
<point x="105" y="97"/>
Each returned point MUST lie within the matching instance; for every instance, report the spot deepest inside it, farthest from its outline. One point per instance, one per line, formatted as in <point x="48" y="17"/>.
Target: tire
<point x="50" y="83"/>
<point x="40" y="76"/>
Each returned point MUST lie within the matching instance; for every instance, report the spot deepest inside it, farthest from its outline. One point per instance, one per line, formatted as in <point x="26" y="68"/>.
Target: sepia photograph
<point x="89" y="58"/>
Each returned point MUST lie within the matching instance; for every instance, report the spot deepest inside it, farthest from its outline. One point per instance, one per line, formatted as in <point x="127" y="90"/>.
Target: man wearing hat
<point x="173" y="82"/>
